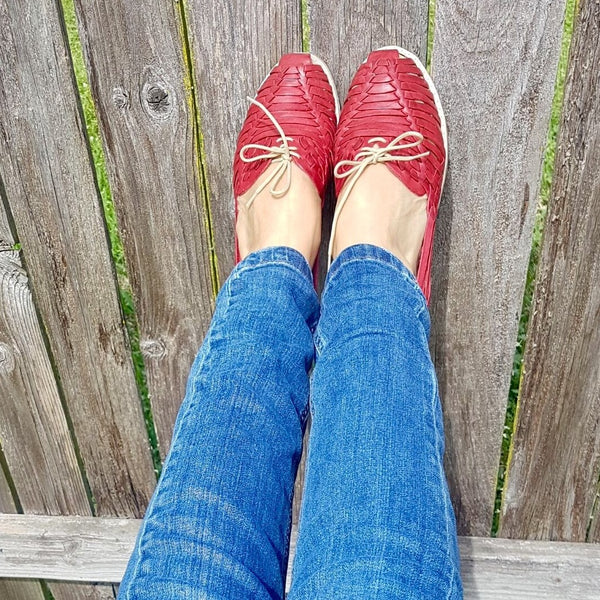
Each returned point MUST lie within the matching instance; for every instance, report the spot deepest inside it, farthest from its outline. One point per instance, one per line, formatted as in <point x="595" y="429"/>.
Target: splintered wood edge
<point x="97" y="549"/>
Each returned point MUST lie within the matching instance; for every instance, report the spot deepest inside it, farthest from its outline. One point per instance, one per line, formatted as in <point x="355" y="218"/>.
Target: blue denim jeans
<point x="376" y="520"/>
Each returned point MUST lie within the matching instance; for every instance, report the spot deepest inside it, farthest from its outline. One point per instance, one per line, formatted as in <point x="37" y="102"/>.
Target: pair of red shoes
<point x="392" y="115"/>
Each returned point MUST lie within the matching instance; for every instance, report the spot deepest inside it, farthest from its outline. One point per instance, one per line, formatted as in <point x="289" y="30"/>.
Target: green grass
<point x="430" y="32"/>
<point x="118" y="255"/>
<point x="305" y="26"/>
<point x="534" y="258"/>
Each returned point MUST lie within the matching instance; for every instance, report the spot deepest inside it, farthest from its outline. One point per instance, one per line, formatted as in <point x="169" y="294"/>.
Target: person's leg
<point x="376" y="519"/>
<point x="218" y="523"/>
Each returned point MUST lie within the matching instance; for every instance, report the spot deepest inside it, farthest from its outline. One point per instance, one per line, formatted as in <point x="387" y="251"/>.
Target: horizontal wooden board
<point x="97" y="549"/>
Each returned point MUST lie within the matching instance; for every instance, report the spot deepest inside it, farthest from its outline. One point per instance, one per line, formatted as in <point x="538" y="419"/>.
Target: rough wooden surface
<point x="67" y="548"/>
<point x="15" y="589"/>
<point x="494" y="68"/>
<point x="343" y="33"/>
<point x="33" y="428"/>
<point x="137" y="77"/>
<point x="80" y="549"/>
<point x="50" y="189"/>
<point x="553" y="473"/>
<point x="234" y="46"/>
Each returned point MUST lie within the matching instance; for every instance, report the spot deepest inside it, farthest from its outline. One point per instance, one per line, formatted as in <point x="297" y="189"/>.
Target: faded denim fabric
<point x="376" y="520"/>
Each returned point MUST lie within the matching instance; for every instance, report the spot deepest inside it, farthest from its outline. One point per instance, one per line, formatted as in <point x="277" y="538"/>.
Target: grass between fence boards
<point x="534" y="258"/>
<point x="116" y="245"/>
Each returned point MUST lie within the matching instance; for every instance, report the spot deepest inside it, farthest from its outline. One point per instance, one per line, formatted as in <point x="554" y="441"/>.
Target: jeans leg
<point x="219" y="521"/>
<point x="376" y="520"/>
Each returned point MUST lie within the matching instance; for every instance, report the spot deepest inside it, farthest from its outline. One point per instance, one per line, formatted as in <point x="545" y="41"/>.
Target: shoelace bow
<point x="370" y="155"/>
<point x="282" y="154"/>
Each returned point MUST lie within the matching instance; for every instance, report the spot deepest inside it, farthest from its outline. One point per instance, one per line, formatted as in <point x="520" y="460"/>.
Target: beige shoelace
<point x="369" y="155"/>
<point x="282" y="155"/>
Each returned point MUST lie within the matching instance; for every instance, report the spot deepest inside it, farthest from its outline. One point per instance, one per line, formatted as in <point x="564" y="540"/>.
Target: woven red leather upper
<point x="299" y="96"/>
<point x="389" y="96"/>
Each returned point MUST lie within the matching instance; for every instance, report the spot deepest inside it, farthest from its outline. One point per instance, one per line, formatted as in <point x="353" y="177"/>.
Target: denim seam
<point x="267" y="263"/>
<point x="435" y="399"/>
<point x="420" y="301"/>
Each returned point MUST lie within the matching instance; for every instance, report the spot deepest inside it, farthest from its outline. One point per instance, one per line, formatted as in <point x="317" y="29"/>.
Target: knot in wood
<point x="153" y="348"/>
<point x="158" y="99"/>
<point x="7" y="359"/>
<point x="121" y="98"/>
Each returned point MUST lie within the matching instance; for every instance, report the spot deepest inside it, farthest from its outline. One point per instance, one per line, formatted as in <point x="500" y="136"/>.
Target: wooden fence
<point x="169" y="79"/>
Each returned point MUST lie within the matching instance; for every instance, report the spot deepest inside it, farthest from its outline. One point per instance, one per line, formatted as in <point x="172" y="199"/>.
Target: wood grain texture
<point x="33" y="428"/>
<point x="137" y="76"/>
<point x="494" y="66"/>
<point x="15" y="589"/>
<point x="234" y="46"/>
<point x="553" y="473"/>
<point x="343" y="33"/>
<point x="80" y="549"/>
<point x="48" y="180"/>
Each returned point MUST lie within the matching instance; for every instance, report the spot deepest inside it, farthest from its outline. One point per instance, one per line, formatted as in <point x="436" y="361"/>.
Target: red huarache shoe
<point x="393" y="116"/>
<point x="292" y="119"/>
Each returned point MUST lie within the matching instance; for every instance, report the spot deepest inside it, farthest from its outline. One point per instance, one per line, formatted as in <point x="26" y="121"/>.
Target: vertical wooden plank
<point x="234" y="45"/>
<point x="553" y="472"/>
<point x="44" y="164"/>
<point x="343" y="33"/>
<point x="33" y="428"/>
<point x="137" y="77"/>
<point x="494" y="66"/>
<point x="14" y="589"/>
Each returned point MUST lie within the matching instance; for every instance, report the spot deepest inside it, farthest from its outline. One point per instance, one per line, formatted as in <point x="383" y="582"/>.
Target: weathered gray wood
<point x="95" y="549"/>
<point x="137" y="76"/>
<point x="496" y="569"/>
<point x="33" y="428"/>
<point x="15" y="589"/>
<point x="49" y="185"/>
<point x="66" y="548"/>
<point x="553" y="474"/>
<point x="494" y="69"/>
<point x="343" y="33"/>
<point x="234" y="45"/>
